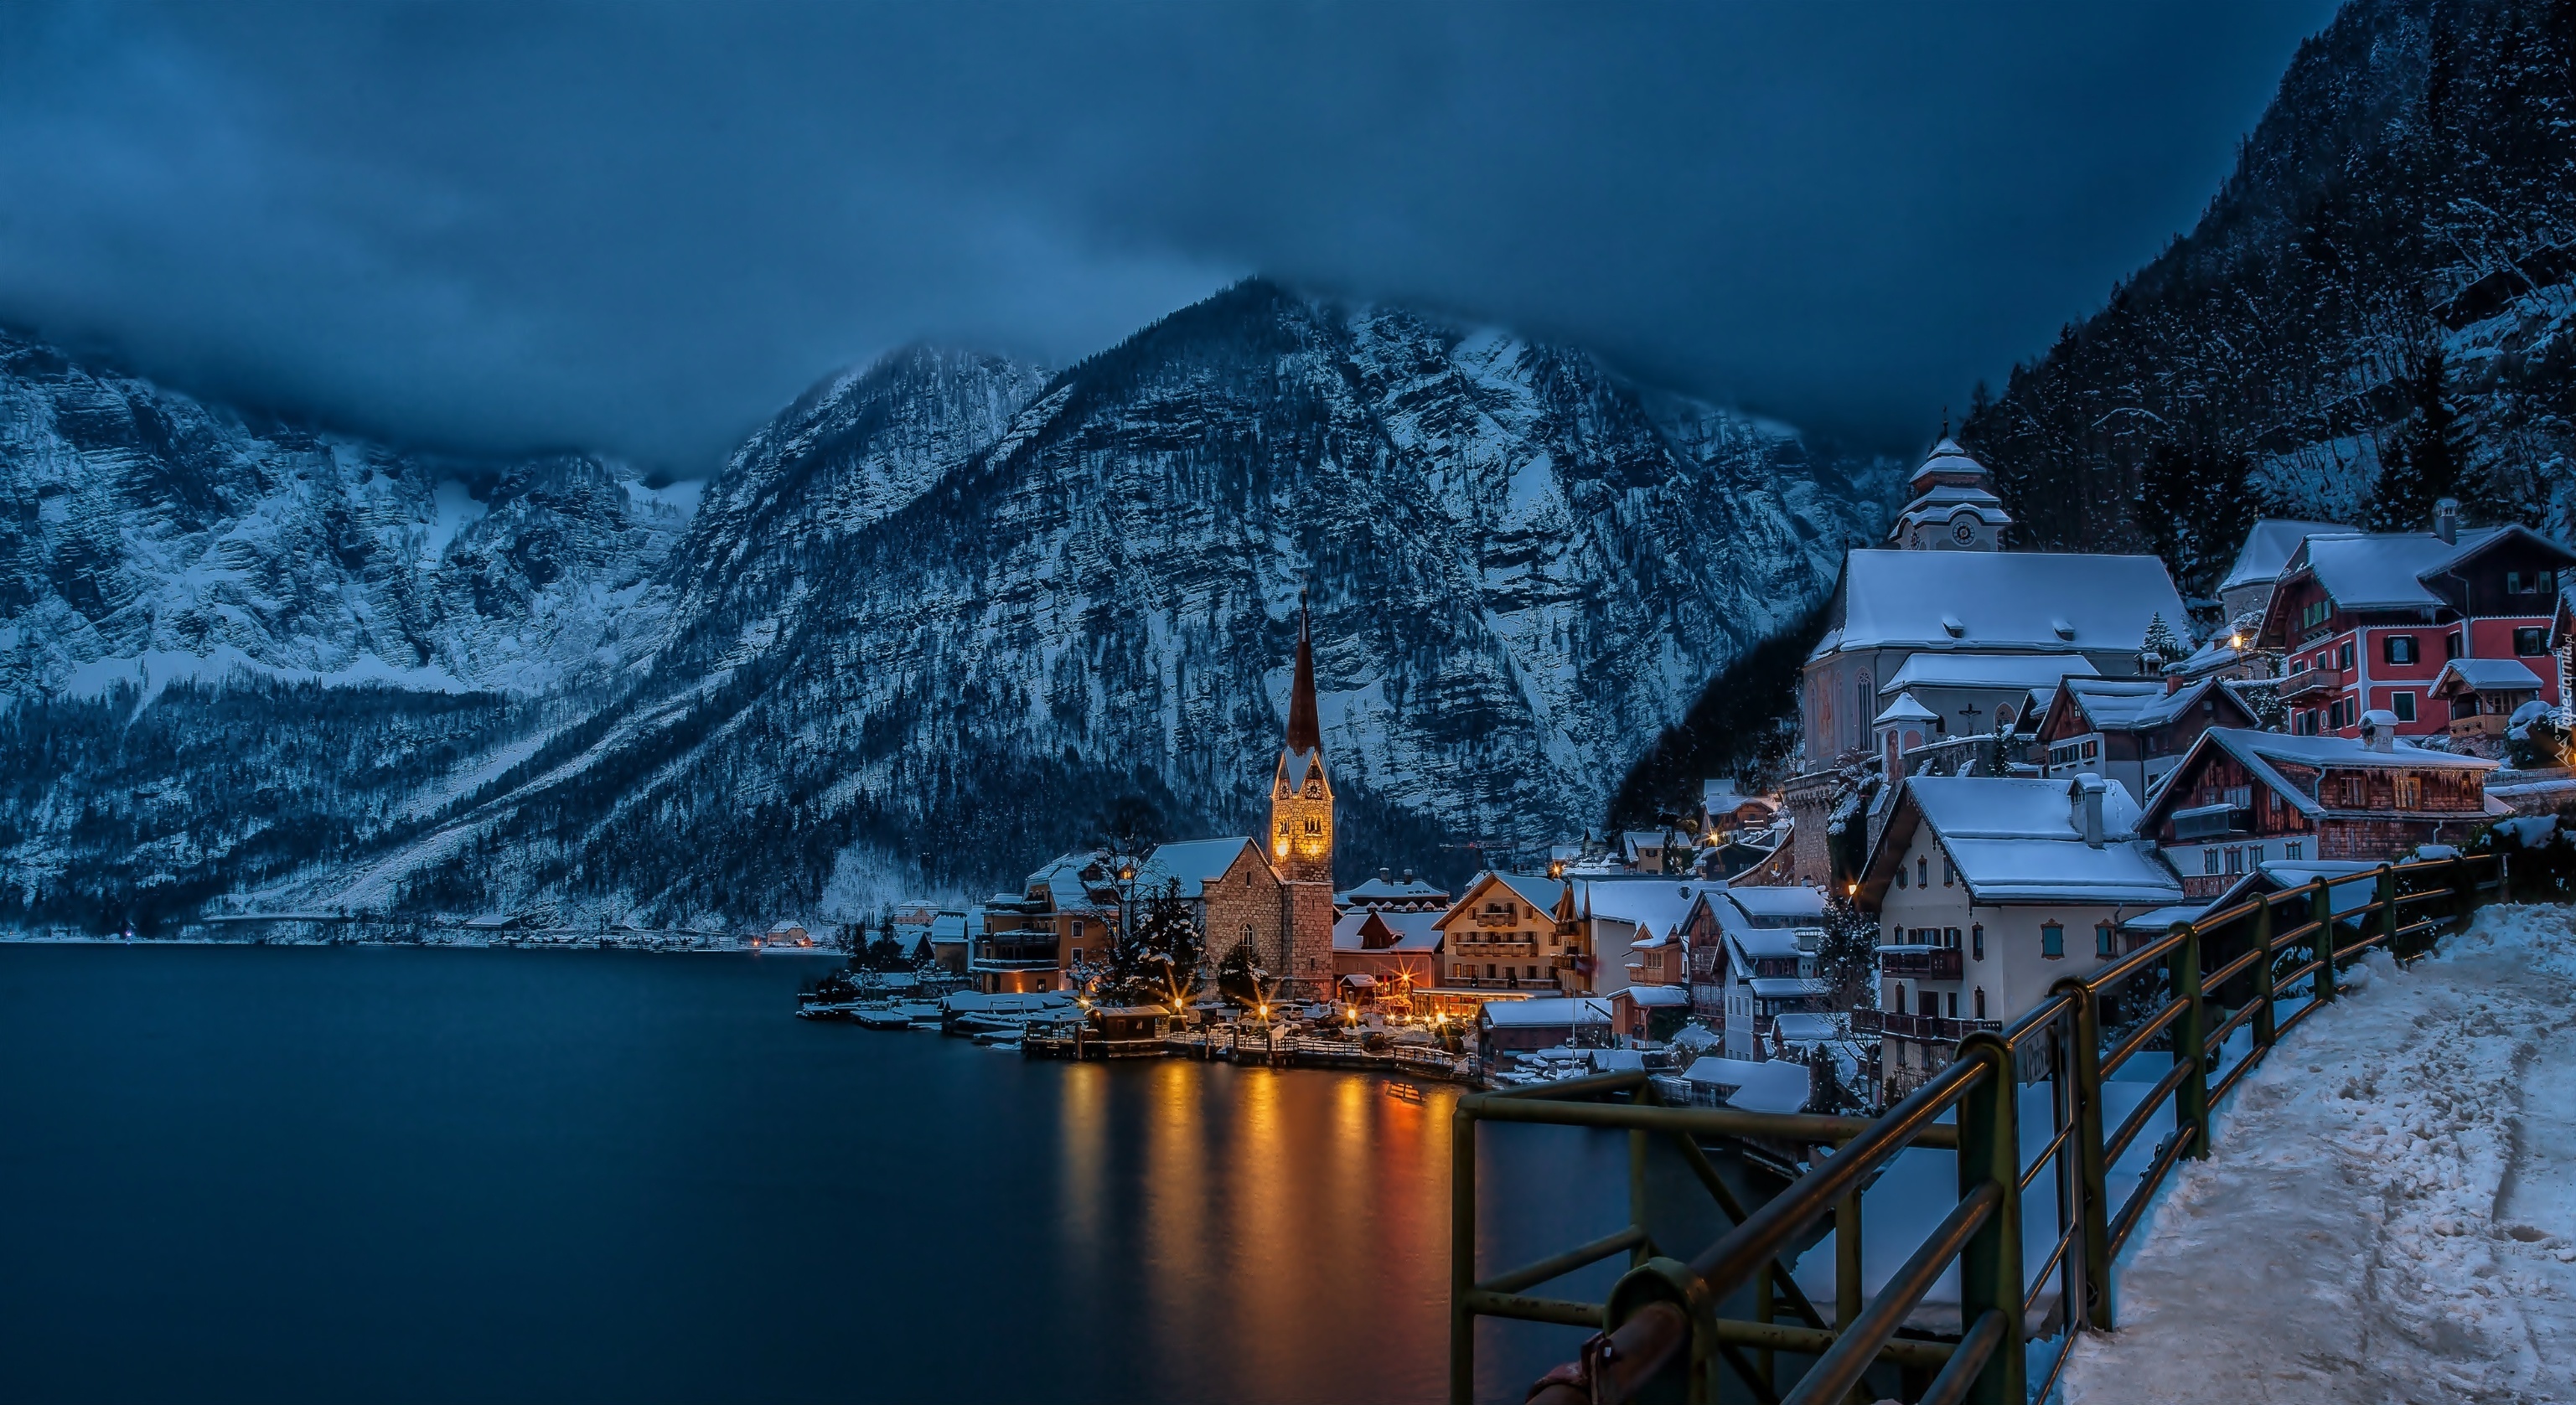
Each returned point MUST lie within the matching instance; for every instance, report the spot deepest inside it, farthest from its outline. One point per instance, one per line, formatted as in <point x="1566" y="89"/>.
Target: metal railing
<point x="2187" y="994"/>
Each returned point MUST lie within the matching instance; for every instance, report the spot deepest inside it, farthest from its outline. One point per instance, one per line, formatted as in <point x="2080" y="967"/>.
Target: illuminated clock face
<point x="1963" y="531"/>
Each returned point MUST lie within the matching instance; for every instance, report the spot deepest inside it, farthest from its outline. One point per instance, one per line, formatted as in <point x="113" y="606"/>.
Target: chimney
<point x="2089" y="789"/>
<point x="2446" y="521"/>
<point x="2379" y="729"/>
<point x="1408" y="875"/>
<point x="1386" y="875"/>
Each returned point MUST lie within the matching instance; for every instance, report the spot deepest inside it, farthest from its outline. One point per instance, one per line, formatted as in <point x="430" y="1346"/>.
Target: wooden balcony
<point x="1929" y="1028"/>
<point x="2316" y="682"/>
<point x="1937" y="964"/>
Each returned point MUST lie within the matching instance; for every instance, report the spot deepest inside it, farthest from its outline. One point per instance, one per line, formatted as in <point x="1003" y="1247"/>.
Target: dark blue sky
<point x="642" y="228"/>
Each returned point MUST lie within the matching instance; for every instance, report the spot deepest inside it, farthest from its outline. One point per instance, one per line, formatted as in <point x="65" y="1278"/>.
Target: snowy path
<point x="2390" y="1213"/>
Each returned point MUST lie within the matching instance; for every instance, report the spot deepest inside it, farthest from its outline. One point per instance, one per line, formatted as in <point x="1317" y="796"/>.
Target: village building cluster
<point x="2011" y="767"/>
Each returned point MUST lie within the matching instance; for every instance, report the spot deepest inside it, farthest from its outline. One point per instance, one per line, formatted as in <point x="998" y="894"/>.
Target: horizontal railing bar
<point x="2049" y="1012"/>
<point x="2137" y="1118"/>
<point x="2291" y="1021"/>
<point x="1960" y="1376"/>
<point x="1562" y="1311"/>
<point x="2133" y="963"/>
<point x="1759" y="1239"/>
<point x="1558" y="1265"/>
<point x="1583" y="1087"/>
<point x="2296" y="936"/>
<point x="2429" y="924"/>
<point x="2066" y="1339"/>
<point x="2296" y="974"/>
<point x="2138" y="1038"/>
<point x="1811" y="1341"/>
<point x="2427" y="896"/>
<point x="1838" y="1370"/>
<point x="2039" y="1163"/>
<point x="2232" y="970"/>
<point x="1806" y="1128"/>
<point x="2057" y="1251"/>
<point x="2235" y="1073"/>
<point x="2136" y="1207"/>
<point x="2217" y="1039"/>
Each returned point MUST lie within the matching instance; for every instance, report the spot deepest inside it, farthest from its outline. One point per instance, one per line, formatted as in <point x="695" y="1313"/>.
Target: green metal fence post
<point x="1462" y="1253"/>
<point x="1645" y="1248"/>
<point x="2386" y="894"/>
<point x="2090" y="1168"/>
<point x="2321" y="908"/>
<point x="2464" y="894"/>
<point x="1990" y="1266"/>
<point x="2263" y="1024"/>
<point x="2191" y="1038"/>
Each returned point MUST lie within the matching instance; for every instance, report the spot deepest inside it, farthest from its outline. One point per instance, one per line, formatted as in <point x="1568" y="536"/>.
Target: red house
<point x="2365" y="621"/>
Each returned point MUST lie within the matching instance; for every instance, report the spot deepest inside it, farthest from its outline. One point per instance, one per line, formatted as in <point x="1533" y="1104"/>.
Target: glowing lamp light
<point x="2236" y="641"/>
<point x="1851" y="890"/>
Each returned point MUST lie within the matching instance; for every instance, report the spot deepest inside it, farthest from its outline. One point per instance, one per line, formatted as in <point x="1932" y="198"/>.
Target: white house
<point x="1968" y="631"/>
<point x="1989" y="890"/>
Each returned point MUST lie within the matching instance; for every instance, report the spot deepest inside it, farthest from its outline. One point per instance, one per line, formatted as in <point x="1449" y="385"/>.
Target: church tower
<point x="1301" y="836"/>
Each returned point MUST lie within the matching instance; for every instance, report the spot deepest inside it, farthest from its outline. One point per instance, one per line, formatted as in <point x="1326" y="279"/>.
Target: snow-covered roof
<point x="1987" y="671"/>
<point x="1383" y="889"/>
<point x="1414" y="933"/>
<point x="1545" y="1012"/>
<point x="2021" y="840"/>
<point x="1779" y="904"/>
<point x="2258" y="751"/>
<point x="1062" y="875"/>
<point x="1947" y="460"/>
<point x="2031" y="601"/>
<point x="1194" y="863"/>
<point x="2110" y="705"/>
<point x="1657" y="996"/>
<point x="1905" y="709"/>
<point x="1658" y="905"/>
<point x="2384" y="570"/>
<point x="1773" y="1085"/>
<point x="1536" y="889"/>
<point x="1786" y="987"/>
<point x="2485" y="676"/>
<point x="1800" y="1028"/>
<point x="948" y="927"/>
<point x="2268" y="549"/>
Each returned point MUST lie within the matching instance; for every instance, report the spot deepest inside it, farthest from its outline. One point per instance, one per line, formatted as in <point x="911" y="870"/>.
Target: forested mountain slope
<point x="2375" y="311"/>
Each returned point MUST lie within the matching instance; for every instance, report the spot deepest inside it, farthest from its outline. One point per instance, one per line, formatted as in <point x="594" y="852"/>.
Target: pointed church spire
<point x="1304" y="734"/>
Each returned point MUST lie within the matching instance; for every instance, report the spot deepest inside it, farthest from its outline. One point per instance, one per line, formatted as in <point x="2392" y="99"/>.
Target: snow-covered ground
<point x="2389" y="1213"/>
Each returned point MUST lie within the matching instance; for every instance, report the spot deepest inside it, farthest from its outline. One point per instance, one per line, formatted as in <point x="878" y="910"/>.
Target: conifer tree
<point x="2422" y="463"/>
<point x="1156" y="957"/>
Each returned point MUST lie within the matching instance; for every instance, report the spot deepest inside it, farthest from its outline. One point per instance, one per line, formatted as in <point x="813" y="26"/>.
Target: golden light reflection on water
<point x="1250" y="1234"/>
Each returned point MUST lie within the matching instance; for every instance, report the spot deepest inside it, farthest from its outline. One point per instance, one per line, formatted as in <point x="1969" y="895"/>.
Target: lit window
<point x="2052" y="940"/>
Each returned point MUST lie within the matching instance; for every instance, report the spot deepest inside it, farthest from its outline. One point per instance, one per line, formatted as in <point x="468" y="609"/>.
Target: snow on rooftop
<point x="2486" y="676"/>
<point x="1905" y="709"/>
<point x="2019" y="840"/>
<point x="2003" y="600"/>
<point x="1193" y="862"/>
<point x="1988" y="671"/>
<point x="1783" y="902"/>
<point x="1545" y="1012"/>
<point x="1774" y="1085"/>
<point x="2384" y="570"/>
<point x="2268" y="548"/>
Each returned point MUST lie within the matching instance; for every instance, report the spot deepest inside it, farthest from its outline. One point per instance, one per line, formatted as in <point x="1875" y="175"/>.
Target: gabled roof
<point x="1659" y="905"/>
<point x="2106" y="705"/>
<point x="2484" y="676"/>
<point x="1785" y="904"/>
<point x="2258" y="752"/>
<point x="1771" y="1085"/>
<point x="2268" y="548"/>
<point x="1904" y="709"/>
<point x="1387" y="890"/>
<point x="1536" y="890"/>
<point x="1194" y="863"/>
<point x="2390" y="570"/>
<point x="1394" y="933"/>
<point x="2000" y="601"/>
<point x="2017" y="840"/>
<point x="1546" y="1011"/>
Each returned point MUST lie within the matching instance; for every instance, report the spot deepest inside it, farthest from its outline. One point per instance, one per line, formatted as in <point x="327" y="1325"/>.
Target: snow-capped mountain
<point x="149" y="536"/>
<point x="942" y="611"/>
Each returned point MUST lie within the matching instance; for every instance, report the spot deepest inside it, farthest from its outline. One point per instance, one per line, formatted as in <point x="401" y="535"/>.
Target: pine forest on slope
<point x="2377" y="310"/>
<point x="922" y="629"/>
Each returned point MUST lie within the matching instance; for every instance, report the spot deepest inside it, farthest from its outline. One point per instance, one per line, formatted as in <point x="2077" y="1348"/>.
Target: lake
<point x="321" y="1174"/>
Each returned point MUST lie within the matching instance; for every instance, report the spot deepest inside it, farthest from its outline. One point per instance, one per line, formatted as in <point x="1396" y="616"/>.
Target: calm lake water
<point x="317" y="1174"/>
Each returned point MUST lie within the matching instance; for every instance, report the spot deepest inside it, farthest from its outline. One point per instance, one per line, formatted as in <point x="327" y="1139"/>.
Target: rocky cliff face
<point x="2378" y="309"/>
<point x="942" y="612"/>
<point x="148" y="536"/>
